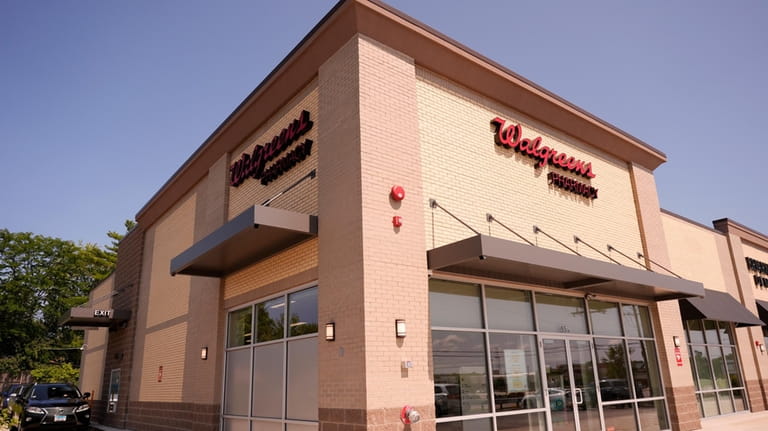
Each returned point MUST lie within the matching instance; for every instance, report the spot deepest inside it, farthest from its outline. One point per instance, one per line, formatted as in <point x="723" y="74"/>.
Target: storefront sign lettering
<point x="572" y="185"/>
<point x="761" y="268"/>
<point x="253" y="165"/>
<point x="102" y="313"/>
<point x="511" y="137"/>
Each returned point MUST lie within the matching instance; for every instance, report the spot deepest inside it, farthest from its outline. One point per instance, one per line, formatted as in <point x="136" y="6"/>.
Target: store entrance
<point x="570" y="384"/>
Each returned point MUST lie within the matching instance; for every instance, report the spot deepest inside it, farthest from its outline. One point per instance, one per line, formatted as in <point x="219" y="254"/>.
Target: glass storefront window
<point x="468" y="425"/>
<point x="454" y="305"/>
<point x="710" y="332"/>
<point x="612" y="369"/>
<point x="502" y="303"/>
<point x="523" y="422"/>
<point x="267" y="385"/>
<point x="273" y="385"/>
<point x="239" y="327"/>
<point x="645" y="369"/>
<point x="563" y="314"/>
<point x="653" y="415"/>
<point x="495" y="355"/>
<point x="236" y="382"/>
<point x="605" y="318"/>
<point x="302" y="312"/>
<point x="719" y="385"/>
<point x="637" y="321"/>
<point x="515" y="368"/>
<point x="271" y="315"/>
<point x="620" y="417"/>
<point x="461" y="379"/>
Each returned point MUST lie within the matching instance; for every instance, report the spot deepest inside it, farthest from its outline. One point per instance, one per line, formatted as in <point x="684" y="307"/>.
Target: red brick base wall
<point x="157" y="416"/>
<point x="683" y="409"/>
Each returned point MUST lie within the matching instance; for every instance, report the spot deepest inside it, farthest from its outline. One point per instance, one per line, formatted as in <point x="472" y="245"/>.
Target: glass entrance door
<point x="570" y="373"/>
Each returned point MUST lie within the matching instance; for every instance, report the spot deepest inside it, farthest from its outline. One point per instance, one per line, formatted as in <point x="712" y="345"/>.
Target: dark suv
<point x="52" y="406"/>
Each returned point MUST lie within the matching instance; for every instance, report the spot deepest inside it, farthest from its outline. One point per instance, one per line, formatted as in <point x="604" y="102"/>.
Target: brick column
<point x="678" y="381"/>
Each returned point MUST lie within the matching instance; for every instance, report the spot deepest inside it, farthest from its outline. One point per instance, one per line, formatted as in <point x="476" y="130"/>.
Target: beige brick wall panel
<point x="294" y="260"/>
<point x="203" y="377"/>
<point x="302" y="198"/>
<point x="95" y="341"/>
<point x="341" y="364"/>
<point x="666" y="314"/>
<point x="468" y="174"/>
<point x="394" y="258"/>
<point x="696" y="254"/>
<point x="164" y="302"/>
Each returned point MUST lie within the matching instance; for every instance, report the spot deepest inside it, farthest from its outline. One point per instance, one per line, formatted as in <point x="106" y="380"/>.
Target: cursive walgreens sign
<point x="511" y="137"/>
<point x="254" y="164"/>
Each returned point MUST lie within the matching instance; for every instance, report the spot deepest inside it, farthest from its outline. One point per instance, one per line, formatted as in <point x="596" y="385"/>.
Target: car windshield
<point x="54" y="391"/>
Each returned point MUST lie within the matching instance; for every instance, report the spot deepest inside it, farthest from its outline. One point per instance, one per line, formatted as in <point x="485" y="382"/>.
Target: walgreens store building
<point x="393" y="232"/>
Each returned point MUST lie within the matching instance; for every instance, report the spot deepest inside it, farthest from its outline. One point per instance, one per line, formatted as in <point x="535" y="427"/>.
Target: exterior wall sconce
<point x="204" y="353"/>
<point x="400" y="328"/>
<point x="762" y="348"/>
<point x="676" y="340"/>
<point x="330" y="331"/>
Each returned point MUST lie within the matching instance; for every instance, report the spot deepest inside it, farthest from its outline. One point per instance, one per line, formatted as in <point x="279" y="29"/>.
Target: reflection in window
<point x="461" y="380"/>
<point x="515" y="368"/>
<point x="637" y="321"/>
<point x="455" y="305"/>
<point x="605" y="318"/>
<point x="524" y="422"/>
<point x="239" y="328"/>
<point x="502" y="303"/>
<point x="302" y="312"/>
<point x="645" y="369"/>
<point x="470" y="425"/>
<point x="563" y="314"/>
<point x="719" y="385"/>
<point x="612" y="369"/>
<point x="653" y="415"/>
<point x="270" y="324"/>
<point x="620" y="417"/>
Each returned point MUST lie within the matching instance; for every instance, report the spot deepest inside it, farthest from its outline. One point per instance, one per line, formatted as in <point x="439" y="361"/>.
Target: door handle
<point x="579" y="396"/>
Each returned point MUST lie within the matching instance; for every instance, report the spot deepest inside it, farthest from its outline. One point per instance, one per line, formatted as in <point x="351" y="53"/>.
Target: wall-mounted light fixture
<point x="330" y="331"/>
<point x="400" y="328"/>
<point x="204" y="353"/>
<point x="676" y="340"/>
<point x="762" y="348"/>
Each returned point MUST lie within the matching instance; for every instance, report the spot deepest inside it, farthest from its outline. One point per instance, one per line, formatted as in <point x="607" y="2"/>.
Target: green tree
<point x="64" y="373"/>
<point x="40" y="279"/>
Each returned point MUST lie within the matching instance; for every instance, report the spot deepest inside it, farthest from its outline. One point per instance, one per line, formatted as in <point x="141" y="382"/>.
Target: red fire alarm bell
<point x="397" y="193"/>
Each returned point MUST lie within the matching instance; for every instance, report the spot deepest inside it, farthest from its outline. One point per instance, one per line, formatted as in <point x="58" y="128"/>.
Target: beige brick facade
<point x="394" y="103"/>
<point x="470" y="176"/>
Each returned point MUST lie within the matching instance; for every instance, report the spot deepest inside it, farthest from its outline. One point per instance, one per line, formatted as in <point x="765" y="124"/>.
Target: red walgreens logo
<point x="511" y="137"/>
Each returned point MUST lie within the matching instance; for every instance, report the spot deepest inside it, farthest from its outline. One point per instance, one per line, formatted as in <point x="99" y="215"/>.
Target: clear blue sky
<point x="101" y="101"/>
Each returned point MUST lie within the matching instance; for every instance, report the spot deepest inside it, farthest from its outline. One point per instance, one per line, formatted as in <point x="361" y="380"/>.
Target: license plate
<point x="60" y="418"/>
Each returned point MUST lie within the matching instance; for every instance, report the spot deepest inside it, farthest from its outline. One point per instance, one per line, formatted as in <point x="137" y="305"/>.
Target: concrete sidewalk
<point x="737" y="422"/>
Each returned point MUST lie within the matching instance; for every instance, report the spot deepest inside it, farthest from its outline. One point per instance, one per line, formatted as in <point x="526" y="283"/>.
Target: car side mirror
<point x="86" y="395"/>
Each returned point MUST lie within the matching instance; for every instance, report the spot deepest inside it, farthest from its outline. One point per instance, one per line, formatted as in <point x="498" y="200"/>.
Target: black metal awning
<point x="89" y="317"/>
<point x="762" y="310"/>
<point x="487" y="256"/>
<point x="255" y="234"/>
<point x="718" y="306"/>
